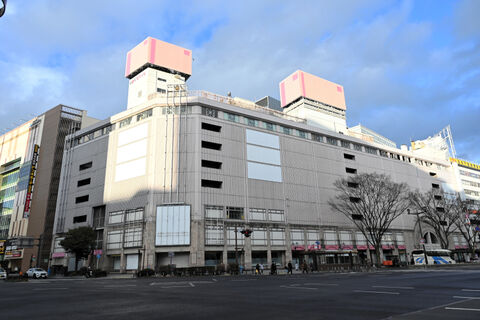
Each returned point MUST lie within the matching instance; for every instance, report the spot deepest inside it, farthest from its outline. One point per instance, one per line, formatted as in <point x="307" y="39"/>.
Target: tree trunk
<point x="76" y="262"/>
<point x="378" y="257"/>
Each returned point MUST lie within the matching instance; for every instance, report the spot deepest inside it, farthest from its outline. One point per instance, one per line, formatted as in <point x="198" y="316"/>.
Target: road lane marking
<point x="214" y="280"/>
<point x="175" y="287"/>
<point x="473" y="290"/>
<point x="244" y="280"/>
<point x="461" y="297"/>
<point x="39" y="289"/>
<point x="321" y="284"/>
<point x="120" y="285"/>
<point x="295" y="287"/>
<point x="191" y="284"/>
<point x="377" y="292"/>
<point x="462" y="309"/>
<point x="388" y="287"/>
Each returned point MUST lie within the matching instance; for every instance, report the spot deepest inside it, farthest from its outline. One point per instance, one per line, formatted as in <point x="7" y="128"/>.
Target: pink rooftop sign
<point x="303" y="84"/>
<point x="159" y="53"/>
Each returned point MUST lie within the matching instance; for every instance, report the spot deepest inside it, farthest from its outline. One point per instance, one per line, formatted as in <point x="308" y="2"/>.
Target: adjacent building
<point x="30" y="163"/>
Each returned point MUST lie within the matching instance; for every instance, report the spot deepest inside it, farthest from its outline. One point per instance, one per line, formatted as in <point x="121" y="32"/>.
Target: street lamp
<point x="421" y="233"/>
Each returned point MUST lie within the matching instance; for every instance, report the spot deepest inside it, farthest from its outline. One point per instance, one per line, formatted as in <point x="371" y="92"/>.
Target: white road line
<point x="387" y="287"/>
<point x="473" y="290"/>
<point x="306" y="288"/>
<point x="378" y="292"/>
<point x="461" y="297"/>
<point x="120" y="286"/>
<point x="462" y="309"/>
<point x="38" y="289"/>
<point x="214" y="280"/>
<point x="175" y="287"/>
<point x="191" y="284"/>
<point x="321" y="284"/>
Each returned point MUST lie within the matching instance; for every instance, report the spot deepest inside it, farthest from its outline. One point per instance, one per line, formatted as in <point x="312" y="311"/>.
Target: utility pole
<point x="236" y="247"/>
<point x="421" y="234"/>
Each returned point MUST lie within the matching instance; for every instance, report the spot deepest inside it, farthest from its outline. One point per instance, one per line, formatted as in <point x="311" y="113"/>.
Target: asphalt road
<point x="412" y="294"/>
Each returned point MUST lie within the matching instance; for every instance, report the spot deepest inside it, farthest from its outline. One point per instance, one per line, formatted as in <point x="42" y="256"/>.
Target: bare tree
<point x="469" y="222"/>
<point x="372" y="202"/>
<point x="439" y="211"/>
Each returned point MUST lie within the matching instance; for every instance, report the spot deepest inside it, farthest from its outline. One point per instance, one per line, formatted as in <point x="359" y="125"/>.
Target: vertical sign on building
<point x="31" y="180"/>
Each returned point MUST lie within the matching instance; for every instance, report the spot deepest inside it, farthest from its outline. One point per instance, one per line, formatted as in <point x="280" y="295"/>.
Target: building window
<point x="277" y="237"/>
<point x="345" y="144"/>
<point x="211" y="164"/>
<point x="83" y="182"/>
<point x="213" y="235"/>
<point x="211" y="127"/>
<point x="297" y="237"/>
<point x="215" y="212"/>
<point x="114" y="239"/>
<point x="252" y="122"/>
<point x="349" y="156"/>
<point x="383" y="153"/>
<point x="133" y="237"/>
<point x="144" y="115"/>
<point x="332" y="141"/>
<point x="99" y="217"/>
<point x="162" y="91"/>
<point x="357" y="147"/>
<point x="211" y="145"/>
<point x="231" y="236"/>
<point x="209" y="112"/>
<point x="269" y="126"/>
<point x="351" y="170"/>
<point x="81" y="199"/>
<point x="302" y="134"/>
<point x="317" y="137"/>
<point x="435" y="186"/>
<point x="235" y="213"/>
<point x="257" y="214"/>
<point x="161" y="79"/>
<point x="211" y="184"/>
<point x="231" y="117"/>
<point x="125" y="122"/>
<point x="116" y="217"/>
<point x="259" y="237"/>
<point x="276" y="215"/>
<point x="85" y="166"/>
<point x="352" y="185"/>
<point x="286" y="130"/>
<point x="134" y="215"/>
<point x="80" y="219"/>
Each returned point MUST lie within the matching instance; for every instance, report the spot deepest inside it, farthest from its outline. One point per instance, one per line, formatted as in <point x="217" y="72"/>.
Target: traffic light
<point x="246" y="232"/>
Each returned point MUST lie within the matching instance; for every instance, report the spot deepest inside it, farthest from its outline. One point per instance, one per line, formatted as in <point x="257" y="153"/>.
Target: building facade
<point x="31" y="158"/>
<point x="176" y="176"/>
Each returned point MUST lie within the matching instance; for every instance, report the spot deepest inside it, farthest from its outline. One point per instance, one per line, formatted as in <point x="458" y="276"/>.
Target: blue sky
<point x="409" y="68"/>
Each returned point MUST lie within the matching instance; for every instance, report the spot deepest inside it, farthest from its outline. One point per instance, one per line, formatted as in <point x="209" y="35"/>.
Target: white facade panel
<point x="263" y="139"/>
<point x="130" y="169"/>
<point x="173" y="226"/>
<point x="264" y="172"/>
<point x="132" y="261"/>
<point x="132" y="151"/>
<point x="133" y="134"/>
<point x="260" y="154"/>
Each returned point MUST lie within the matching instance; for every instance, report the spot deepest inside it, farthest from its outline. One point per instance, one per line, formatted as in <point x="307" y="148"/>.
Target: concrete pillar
<point x="248" y="253"/>
<point x="123" y="262"/>
<point x="288" y="247"/>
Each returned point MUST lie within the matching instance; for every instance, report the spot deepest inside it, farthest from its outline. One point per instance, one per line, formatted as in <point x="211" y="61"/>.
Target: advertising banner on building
<point x="31" y="181"/>
<point x="2" y="247"/>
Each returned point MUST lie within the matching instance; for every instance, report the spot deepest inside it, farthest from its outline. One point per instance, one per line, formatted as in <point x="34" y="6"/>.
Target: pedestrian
<point x="273" y="268"/>
<point x="311" y="266"/>
<point x="290" y="268"/>
<point x="261" y="268"/>
<point x="296" y="266"/>
<point x="304" y="267"/>
<point x="257" y="269"/>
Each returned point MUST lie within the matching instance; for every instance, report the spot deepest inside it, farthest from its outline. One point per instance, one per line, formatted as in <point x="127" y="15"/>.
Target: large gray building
<point x="170" y="179"/>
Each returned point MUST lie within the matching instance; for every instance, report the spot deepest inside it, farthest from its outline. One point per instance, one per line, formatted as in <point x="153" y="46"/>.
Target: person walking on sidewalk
<point x="273" y="269"/>
<point x="261" y="268"/>
<point x="290" y="268"/>
<point x="257" y="269"/>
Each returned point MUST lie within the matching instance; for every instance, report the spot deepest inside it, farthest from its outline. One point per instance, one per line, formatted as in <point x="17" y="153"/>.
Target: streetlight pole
<point x="421" y="234"/>
<point x="236" y="247"/>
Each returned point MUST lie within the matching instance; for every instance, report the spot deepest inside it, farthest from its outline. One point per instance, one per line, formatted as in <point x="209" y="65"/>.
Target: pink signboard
<point x="347" y="247"/>
<point x="58" y="254"/>
<point x="314" y="247"/>
<point x="159" y="53"/>
<point x="298" y="248"/>
<point x="402" y="247"/>
<point x="331" y="247"/>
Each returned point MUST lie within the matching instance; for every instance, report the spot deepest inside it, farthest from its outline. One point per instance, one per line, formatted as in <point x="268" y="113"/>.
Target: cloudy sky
<point x="409" y="68"/>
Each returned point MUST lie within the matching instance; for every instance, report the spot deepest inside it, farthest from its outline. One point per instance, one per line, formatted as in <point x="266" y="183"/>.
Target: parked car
<point x="3" y="274"/>
<point x="37" y="273"/>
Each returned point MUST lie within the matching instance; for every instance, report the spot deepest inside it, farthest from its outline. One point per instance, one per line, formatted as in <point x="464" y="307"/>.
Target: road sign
<point x="171" y="254"/>
<point x="422" y="241"/>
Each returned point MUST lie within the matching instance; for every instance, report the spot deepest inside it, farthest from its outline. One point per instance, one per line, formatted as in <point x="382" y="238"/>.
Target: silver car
<point x="37" y="273"/>
<point x="3" y="274"/>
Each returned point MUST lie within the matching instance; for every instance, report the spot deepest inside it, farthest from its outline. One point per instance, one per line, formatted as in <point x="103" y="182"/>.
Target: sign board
<point x="31" y="180"/>
<point x="2" y="246"/>
<point x="422" y="241"/>
<point x="171" y="254"/>
<point x="13" y="253"/>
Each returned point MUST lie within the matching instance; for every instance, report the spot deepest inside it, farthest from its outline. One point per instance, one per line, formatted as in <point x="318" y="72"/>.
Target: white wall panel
<point x="132" y="261"/>
<point x="173" y="226"/>
<point x="132" y="151"/>
<point x="263" y="139"/>
<point x="260" y="154"/>
<point x="133" y="134"/>
<point x="264" y="172"/>
<point x="130" y="169"/>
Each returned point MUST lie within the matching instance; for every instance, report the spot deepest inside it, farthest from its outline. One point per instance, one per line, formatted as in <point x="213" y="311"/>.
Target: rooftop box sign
<point x="158" y="55"/>
<point x="302" y="84"/>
